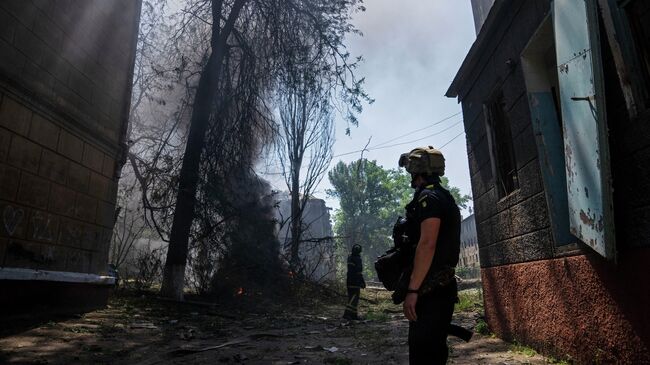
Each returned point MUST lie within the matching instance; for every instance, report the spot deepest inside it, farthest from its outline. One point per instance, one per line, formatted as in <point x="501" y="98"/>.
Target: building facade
<point x="65" y="88"/>
<point x="317" y="250"/>
<point x="468" y="243"/>
<point x="555" y="98"/>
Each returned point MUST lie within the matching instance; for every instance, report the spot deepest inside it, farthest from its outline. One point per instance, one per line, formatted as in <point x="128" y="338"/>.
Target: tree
<point x="371" y="198"/>
<point x="305" y="140"/>
<point x="248" y="44"/>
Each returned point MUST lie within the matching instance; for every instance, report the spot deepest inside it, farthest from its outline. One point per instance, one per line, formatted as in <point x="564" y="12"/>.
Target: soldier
<point x="432" y="290"/>
<point x="354" y="283"/>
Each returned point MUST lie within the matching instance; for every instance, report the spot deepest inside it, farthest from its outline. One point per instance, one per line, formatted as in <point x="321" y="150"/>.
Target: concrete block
<point x="108" y="167"/>
<point x="92" y="237"/>
<point x="53" y="166"/>
<point x="99" y="186"/>
<point x="34" y="191"/>
<point x="9" y="182"/>
<point x="3" y="248"/>
<point x="106" y="214"/>
<point x="71" y="233"/>
<point x="5" y="139"/>
<point x="8" y="26"/>
<point x="93" y="158"/>
<point x="14" y="220"/>
<point x="12" y="60"/>
<point x="14" y="115"/>
<point x="70" y="146"/>
<point x="43" y="227"/>
<point x="78" y="261"/>
<point x="24" y="11"/>
<point x="80" y="84"/>
<point x="33" y="255"/>
<point x="48" y="32"/>
<point x="62" y="200"/>
<point x="44" y="132"/>
<point x="536" y="245"/>
<point x="78" y="177"/>
<point x="85" y="207"/>
<point x="24" y="154"/>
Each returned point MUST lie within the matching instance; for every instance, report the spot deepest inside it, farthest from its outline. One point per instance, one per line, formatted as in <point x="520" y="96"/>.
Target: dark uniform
<point x="354" y="282"/>
<point x="428" y="335"/>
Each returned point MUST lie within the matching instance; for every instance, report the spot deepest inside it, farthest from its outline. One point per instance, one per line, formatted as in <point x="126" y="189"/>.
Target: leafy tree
<point x="371" y="198"/>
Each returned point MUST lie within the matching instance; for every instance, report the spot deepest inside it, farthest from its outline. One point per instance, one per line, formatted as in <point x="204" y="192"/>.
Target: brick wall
<point x="517" y="227"/>
<point x="65" y="75"/>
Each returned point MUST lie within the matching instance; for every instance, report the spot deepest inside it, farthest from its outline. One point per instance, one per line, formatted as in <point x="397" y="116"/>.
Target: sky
<point x="412" y="51"/>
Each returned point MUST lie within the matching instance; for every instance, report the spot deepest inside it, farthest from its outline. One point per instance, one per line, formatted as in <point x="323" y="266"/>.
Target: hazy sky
<point x="412" y="51"/>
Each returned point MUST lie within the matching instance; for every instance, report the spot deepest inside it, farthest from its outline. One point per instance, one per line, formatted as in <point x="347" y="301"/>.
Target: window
<point x="501" y="146"/>
<point x="539" y="65"/>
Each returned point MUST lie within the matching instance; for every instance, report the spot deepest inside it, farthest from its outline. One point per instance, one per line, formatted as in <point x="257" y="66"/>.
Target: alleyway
<point x="143" y="330"/>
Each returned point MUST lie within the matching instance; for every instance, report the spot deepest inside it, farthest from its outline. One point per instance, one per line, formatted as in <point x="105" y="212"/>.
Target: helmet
<point x="423" y="160"/>
<point x="356" y="248"/>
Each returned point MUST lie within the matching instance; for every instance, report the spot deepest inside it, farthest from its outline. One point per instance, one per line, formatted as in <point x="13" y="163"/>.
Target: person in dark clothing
<point x="354" y="282"/>
<point x="432" y="291"/>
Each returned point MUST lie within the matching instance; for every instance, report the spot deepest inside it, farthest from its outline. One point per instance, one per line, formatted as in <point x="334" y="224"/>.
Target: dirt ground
<point x="144" y="330"/>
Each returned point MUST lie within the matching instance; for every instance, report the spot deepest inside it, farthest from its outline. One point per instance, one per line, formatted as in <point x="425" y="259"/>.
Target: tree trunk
<point x="174" y="273"/>
<point x="296" y="218"/>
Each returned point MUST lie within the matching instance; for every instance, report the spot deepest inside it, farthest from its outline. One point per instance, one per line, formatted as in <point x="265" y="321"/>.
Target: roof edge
<point x="470" y="60"/>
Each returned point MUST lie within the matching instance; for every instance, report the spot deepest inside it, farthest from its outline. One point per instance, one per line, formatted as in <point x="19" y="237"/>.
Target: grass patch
<point x="522" y="349"/>
<point x="469" y="300"/>
<point x="376" y="316"/>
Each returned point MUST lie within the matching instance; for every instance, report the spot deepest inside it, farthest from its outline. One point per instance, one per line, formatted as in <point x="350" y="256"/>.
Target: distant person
<point x="354" y="283"/>
<point x="432" y="290"/>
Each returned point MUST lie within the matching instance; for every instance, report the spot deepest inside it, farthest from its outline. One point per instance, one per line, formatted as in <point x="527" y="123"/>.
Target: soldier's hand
<point x="409" y="306"/>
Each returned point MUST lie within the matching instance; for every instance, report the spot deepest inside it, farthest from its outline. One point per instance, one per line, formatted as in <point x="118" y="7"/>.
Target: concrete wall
<point x="65" y="87"/>
<point x="563" y="302"/>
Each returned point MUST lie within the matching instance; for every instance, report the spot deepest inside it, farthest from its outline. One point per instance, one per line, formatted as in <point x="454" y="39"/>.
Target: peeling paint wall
<point x="560" y="300"/>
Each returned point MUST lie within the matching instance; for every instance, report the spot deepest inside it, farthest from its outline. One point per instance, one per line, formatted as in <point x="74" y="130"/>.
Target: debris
<point x="146" y="325"/>
<point x="331" y="349"/>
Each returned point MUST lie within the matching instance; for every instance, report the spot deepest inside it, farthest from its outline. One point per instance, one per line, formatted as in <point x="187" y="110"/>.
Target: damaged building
<point x="317" y="249"/>
<point x="556" y="104"/>
<point x="65" y="86"/>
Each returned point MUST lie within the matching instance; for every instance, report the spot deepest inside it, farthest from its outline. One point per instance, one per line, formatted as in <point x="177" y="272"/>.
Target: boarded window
<point x="501" y="145"/>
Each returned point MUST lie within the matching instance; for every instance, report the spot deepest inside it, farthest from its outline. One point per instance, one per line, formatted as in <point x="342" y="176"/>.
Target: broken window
<point x="501" y="145"/>
<point x="540" y="73"/>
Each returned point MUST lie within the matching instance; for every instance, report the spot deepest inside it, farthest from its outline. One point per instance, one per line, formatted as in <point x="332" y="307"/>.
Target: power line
<point x="418" y="130"/>
<point x="401" y="143"/>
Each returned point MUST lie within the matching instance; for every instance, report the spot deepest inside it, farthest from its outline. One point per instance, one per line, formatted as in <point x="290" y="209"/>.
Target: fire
<point x="240" y="291"/>
<point x="291" y="274"/>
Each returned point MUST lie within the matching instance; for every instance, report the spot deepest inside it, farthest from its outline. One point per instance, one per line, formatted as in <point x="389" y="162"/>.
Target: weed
<point x="377" y="316"/>
<point x="469" y="300"/>
<point x="522" y="349"/>
<point x="482" y="327"/>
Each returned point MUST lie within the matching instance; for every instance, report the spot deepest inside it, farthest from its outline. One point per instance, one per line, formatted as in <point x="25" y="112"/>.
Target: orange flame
<point x="291" y="274"/>
<point x="240" y="291"/>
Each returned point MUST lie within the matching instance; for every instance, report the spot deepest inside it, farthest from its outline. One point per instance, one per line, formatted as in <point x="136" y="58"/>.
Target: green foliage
<point x="482" y="327"/>
<point x="371" y="198"/>
<point x="523" y="349"/>
<point x="469" y="300"/>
